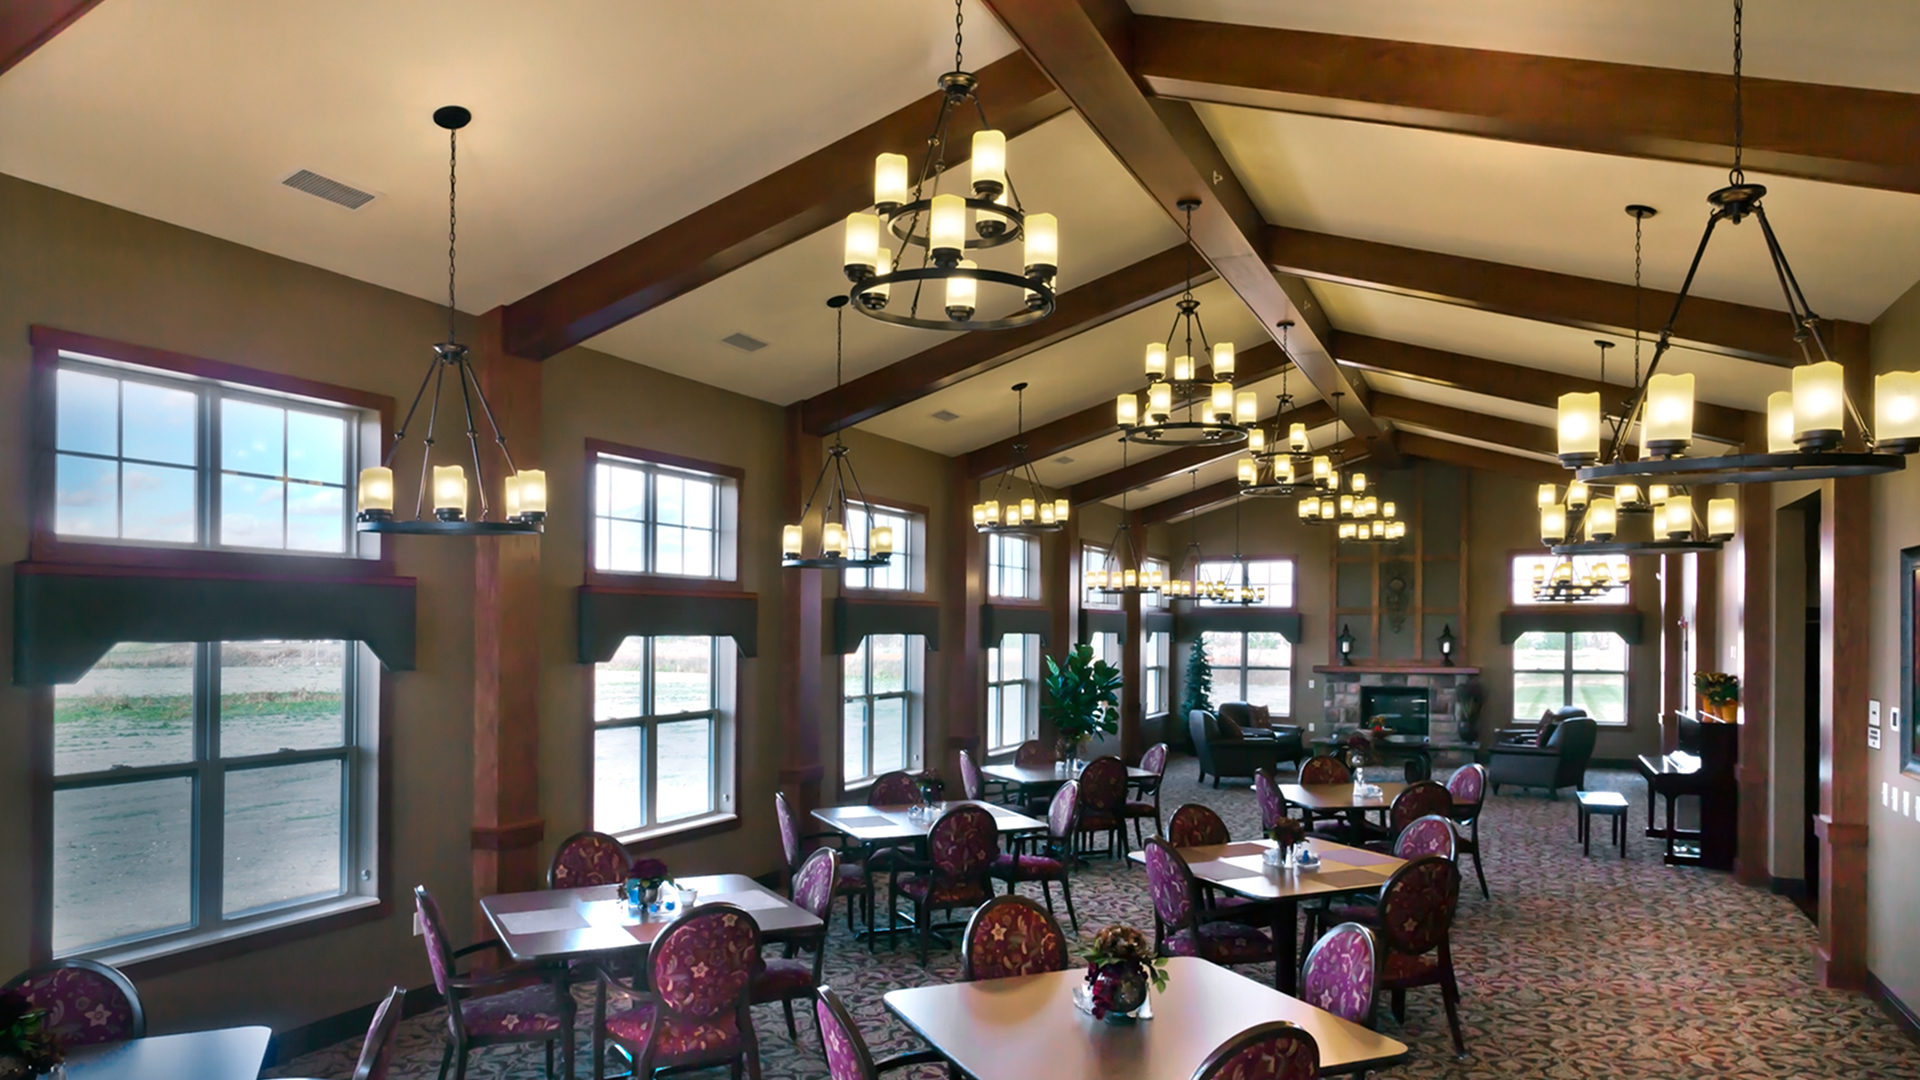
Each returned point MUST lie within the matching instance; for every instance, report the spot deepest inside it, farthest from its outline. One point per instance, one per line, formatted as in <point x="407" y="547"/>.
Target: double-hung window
<point x="1013" y="668"/>
<point x="663" y="734"/>
<point x="1254" y="666"/>
<point x="1154" y="697"/>
<point x="1165" y="572"/>
<point x="880" y="708"/>
<point x="655" y="518"/>
<point x="1013" y="567"/>
<point x="1093" y="558"/>
<point x="1552" y="668"/>
<point x="1273" y="575"/>
<point x="903" y="571"/>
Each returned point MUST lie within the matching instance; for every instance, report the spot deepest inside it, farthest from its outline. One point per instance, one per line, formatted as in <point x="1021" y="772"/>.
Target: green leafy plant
<point x="1717" y="687"/>
<point x="27" y="1048"/>
<point x="1083" y="696"/>
<point x="1197" y="693"/>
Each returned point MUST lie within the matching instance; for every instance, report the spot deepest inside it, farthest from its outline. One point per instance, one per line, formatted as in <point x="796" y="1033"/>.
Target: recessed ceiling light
<point x="946" y="416"/>
<point x="744" y="342"/>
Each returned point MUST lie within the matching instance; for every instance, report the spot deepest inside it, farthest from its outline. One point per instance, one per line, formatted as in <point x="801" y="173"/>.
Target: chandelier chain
<point x="1638" y="224"/>
<point x="959" y="20"/>
<point x="453" y="220"/>
<point x="1736" y="175"/>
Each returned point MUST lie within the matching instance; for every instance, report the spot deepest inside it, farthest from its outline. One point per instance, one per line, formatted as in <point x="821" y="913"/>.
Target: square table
<point x="1028" y="1028"/>
<point x="893" y="825"/>
<point x="561" y="924"/>
<point x="235" y="1053"/>
<point x="1241" y="869"/>
<point x="1038" y="778"/>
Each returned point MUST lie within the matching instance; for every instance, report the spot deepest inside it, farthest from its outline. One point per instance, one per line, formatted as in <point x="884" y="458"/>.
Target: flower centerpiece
<point x="644" y="881"/>
<point x="1083" y="699"/>
<point x="1119" y="967"/>
<point x="1289" y="836"/>
<point x="27" y="1048"/>
<point x="1719" y="695"/>
<point x="1358" y="750"/>
<point x="932" y="788"/>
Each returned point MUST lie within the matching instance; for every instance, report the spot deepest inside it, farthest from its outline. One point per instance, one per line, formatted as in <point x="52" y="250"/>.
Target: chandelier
<point x="526" y="489"/>
<point x="1588" y="522"/>
<point x="1122" y="576"/>
<point x="835" y="481"/>
<point x="1569" y="584"/>
<point x="1806" y="427"/>
<point x="1357" y="514"/>
<point x="1197" y="584"/>
<point x="1223" y="416"/>
<point x="1274" y="462"/>
<point x="923" y="217"/>
<point x="1009" y="511"/>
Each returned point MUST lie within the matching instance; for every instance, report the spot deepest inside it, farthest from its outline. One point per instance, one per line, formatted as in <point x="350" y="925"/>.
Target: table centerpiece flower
<point x="1289" y="836"/>
<point x="1120" y="966"/>
<point x="27" y="1048"/>
<point x="645" y="880"/>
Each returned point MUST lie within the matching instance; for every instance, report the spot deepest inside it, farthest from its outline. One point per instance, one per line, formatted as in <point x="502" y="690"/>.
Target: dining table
<point x="1028" y="1027"/>
<point x="552" y="925"/>
<point x="906" y="823"/>
<point x="1241" y="869"/>
<point x="235" y="1053"/>
<point x="1037" y="780"/>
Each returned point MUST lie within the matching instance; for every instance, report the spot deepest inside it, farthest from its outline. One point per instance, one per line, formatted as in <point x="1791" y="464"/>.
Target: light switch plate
<point x="1309" y="684"/>
<point x="1883" y="793"/>
<point x="1873" y="712"/>
<point x="1873" y="738"/>
<point x="1893" y="718"/>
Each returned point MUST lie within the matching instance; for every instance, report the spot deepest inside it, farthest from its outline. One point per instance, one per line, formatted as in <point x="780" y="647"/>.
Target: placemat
<point x="865" y="821"/>
<point x="542" y="922"/>
<point x="1343" y="879"/>
<point x="751" y="900"/>
<point x="1356" y="857"/>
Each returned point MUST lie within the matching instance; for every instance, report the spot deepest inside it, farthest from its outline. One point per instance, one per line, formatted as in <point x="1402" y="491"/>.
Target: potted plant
<point x="27" y="1048"/>
<point x="1119" y="967"/>
<point x="1083" y="699"/>
<point x="1719" y="695"/>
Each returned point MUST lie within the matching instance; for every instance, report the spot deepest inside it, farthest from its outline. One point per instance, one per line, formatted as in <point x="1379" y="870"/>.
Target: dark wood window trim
<point x="650" y="582"/>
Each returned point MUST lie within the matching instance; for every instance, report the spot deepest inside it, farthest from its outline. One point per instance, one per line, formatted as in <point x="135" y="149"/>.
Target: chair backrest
<point x="1325" y="769"/>
<point x="897" y="788"/>
<point x="1171" y="884"/>
<point x="963" y="843"/>
<point x="1202" y="728"/>
<point x="1468" y="785"/>
<point x="1574" y="738"/>
<point x="377" y="1052"/>
<point x="1275" y="1050"/>
<point x="1341" y="972"/>
<point x="85" y="1001"/>
<point x="813" y="883"/>
<point x="847" y="1055"/>
<point x="588" y="858"/>
<point x="1266" y="790"/>
<point x="1011" y="935"/>
<point x="1430" y="835"/>
<point x="789" y="831"/>
<point x="1194" y="825"/>
<point x="1245" y="715"/>
<point x="1063" y="811"/>
<point x="970" y="782"/>
<point x="1417" y="801"/>
<point x="701" y="964"/>
<point x="1103" y="785"/>
<point x="1032" y="754"/>
<point x="439" y="952"/>
<point x="1155" y="759"/>
<point x="1416" y="904"/>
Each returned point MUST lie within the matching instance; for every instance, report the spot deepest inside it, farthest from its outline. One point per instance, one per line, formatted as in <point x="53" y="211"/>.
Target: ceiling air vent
<point x="946" y="416"/>
<point x="331" y="190"/>
<point x="1063" y="459"/>
<point x="744" y="342"/>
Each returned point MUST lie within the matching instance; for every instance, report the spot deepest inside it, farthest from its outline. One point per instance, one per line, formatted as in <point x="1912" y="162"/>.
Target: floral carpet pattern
<point x="1579" y="967"/>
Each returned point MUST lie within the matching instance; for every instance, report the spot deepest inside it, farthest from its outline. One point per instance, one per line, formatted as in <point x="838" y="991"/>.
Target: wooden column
<point x="507" y="827"/>
<point x="964" y="588"/>
<point x="1747" y="571"/>
<point x="1132" y="656"/>
<point x="1673" y="605"/>
<point x="802" y="648"/>
<point x="1060" y="558"/>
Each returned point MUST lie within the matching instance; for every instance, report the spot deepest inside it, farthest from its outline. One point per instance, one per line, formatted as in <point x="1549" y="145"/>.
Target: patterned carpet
<point x="1578" y="967"/>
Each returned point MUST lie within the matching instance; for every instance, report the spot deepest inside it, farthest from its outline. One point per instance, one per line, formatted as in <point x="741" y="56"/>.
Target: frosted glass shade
<point x="1129" y="579"/>
<point x="1183" y="369"/>
<point x="993" y="511"/>
<point x="1257" y="440"/>
<point x="1223" y="360"/>
<point x="1323" y="470"/>
<point x="376" y="490"/>
<point x="1677" y="518"/>
<point x="449" y="489"/>
<point x="511" y="487"/>
<point x="1547" y="495"/>
<point x="533" y="490"/>
<point x="1723" y="519"/>
<point x="1667" y="427"/>
<point x="1576" y="494"/>
<point x="1062" y="509"/>
<point x="1220" y="401"/>
<point x="889" y="180"/>
<point x="1029" y="509"/>
<point x="961" y="291"/>
<point x="790" y="541"/>
<point x="833" y="539"/>
<point x="1657" y="494"/>
<point x="1603" y="519"/>
<point x="1126" y="410"/>
<point x="947" y="232"/>
<point x="1819" y="404"/>
<point x="1310" y="508"/>
<point x="1553" y="524"/>
<point x="989" y="160"/>
<point x="1156" y="360"/>
<point x="1249" y="470"/>
<point x="1246" y="408"/>
<point x="863" y="243"/>
<point x="1160" y="400"/>
<point x="877" y="296"/>
<point x="1896" y="411"/>
<point x="1579" y="427"/>
<point x="1780" y="423"/>
<point x="1628" y="497"/>
<point x="1042" y="243"/>
<point x="880" y="540"/>
<point x="1297" y="438"/>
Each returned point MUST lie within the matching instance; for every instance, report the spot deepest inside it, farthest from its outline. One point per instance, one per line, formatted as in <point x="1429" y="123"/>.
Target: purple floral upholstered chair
<point x="85" y="1001"/>
<point x="1430" y="835"/>
<point x="1416" y="916"/>
<point x="588" y="858"/>
<point x="847" y="1055"/>
<point x="1325" y="769"/>
<point x="1195" y="825"/>
<point x="1138" y="811"/>
<point x="961" y="848"/>
<point x="896" y="788"/>
<point x="972" y="784"/>
<point x="376" y="1054"/>
<point x="1055" y="862"/>
<point x="1341" y="972"/>
<point x="700" y="970"/>
<point x="1275" y="1050"/>
<point x="1034" y="754"/>
<point x="1179" y="929"/>
<point x="1418" y="801"/>
<point x="1103" y="800"/>
<point x="852" y="878"/>
<point x="1011" y="935"/>
<point x="789" y="978"/>
<point x="1468" y="785"/>
<point x="519" y="1006"/>
<point x="1266" y="791"/>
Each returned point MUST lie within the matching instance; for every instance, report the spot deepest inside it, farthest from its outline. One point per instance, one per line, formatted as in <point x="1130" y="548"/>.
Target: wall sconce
<point x="1345" y="641"/>
<point x="1446" y="645"/>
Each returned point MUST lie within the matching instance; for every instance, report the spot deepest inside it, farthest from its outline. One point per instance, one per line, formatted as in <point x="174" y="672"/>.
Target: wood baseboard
<point x="352" y="1024"/>
<point x="1902" y="1015"/>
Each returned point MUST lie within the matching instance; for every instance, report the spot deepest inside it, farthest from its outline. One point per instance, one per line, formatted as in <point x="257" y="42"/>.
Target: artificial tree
<point x="1197" y="691"/>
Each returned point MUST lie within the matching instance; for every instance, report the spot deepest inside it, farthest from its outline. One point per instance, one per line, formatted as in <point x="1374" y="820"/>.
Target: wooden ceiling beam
<point x="963" y="356"/>
<point x="1167" y="149"/>
<point x="1201" y="500"/>
<point x="1604" y="307"/>
<point x="1139" y="474"/>
<point x="29" y="24"/>
<point x="1835" y="134"/>
<point x="1532" y="438"/>
<point x="1476" y="457"/>
<point x="787" y="205"/>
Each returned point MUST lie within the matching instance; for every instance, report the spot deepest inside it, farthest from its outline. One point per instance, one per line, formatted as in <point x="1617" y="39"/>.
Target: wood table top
<point x="884" y="824"/>
<point x="1035" y="775"/>
<point x="1241" y="869"/>
<point x="1339" y="796"/>
<point x="235" y="1053"/>
<point x="1028" y="1028"/>
<point x="557" y="924"/>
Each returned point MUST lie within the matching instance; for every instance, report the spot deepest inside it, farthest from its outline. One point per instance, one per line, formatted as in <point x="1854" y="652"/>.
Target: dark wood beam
<point x="1169" y="152"/>
<point x="963" y="356"/>
<point x="29" y="24"/>
<point x="1476" y="457"/>
<point x="1201" y="500"/>
<point x="1532" y="438"/>
<point x="766" y="215"/>
<point x="1837" y="134"/>
<point x="1174" y="462"/>
<point x="1740" y="330"/>
<point x="1532" y="386"/>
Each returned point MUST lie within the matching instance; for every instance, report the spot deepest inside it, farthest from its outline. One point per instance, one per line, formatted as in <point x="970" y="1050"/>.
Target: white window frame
<point x="1094" y="557"/>
<point x="1568" y="673"/>
<point x="1158" y="669"/>
<point x="1149" y="565"/>
<point x="906" y="570"/>
<point x="913" y="738"/>
<point x="1239" y="671"/>
<point x="719" y="714"/>
<point x="1026" y="567"/>
<point x="1026" y="680"/>
<point x="724" y="557"/>
<point x="1254" y="572"/>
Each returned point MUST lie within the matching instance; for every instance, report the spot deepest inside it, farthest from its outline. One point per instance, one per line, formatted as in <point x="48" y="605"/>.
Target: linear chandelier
<point x="1197" y="584"/>
<point x="1347" y="503"/>
<point x="1587" y="523"/>
<point x="936" y="223"/>
<point x="1009" y="511"/>
<point x="525" y="489"/>
<point x="1569" y="584"/>
<point x="1124" y="576"/>
<point x="1223" y="415"/>
<point x="1272" y="465"/>
<point x="836" y="480"/>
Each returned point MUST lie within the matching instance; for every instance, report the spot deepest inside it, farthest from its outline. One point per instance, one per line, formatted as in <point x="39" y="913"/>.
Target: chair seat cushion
<point x="947" y="893"/>
<point x="1029" y="868"/>
<point x="529" y="1010"/>
<point x="1141" y="809"/>
<point x="1240" y="909"/>
<point x="679" y="1040"/>
<point x="1398" y="969"/>
<point x="851" y="877"/>
<point x="782" y="979"/>
<point x="1360" y="913"/>
<point x="1095" y="821"/>
<point x="1223" y="943"/>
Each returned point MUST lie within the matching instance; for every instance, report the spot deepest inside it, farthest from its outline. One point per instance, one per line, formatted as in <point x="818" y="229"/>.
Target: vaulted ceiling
<point x="1432" y="188"/>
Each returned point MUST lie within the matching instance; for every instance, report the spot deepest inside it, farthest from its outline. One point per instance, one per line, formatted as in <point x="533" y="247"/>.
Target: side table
<point x="1609" y="804"/>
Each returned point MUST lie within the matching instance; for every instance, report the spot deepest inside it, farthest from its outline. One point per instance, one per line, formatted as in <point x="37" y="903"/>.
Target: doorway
<point x="1798" y="688"/>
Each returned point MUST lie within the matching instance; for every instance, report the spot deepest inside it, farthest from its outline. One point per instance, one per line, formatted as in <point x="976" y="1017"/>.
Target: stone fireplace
<point x="1403" y="710"/>
<point x="1353" y="694"/>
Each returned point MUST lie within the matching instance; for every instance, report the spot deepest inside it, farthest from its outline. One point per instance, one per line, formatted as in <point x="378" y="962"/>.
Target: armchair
<point x="1239" y="758"/>
<point x="1538" y="733"/>
<point x="1560" y="761"/>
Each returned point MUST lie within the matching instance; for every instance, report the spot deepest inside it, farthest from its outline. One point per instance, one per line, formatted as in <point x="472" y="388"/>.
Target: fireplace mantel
<point x="1392" y="669"/>
<point x="1342" y="694"/>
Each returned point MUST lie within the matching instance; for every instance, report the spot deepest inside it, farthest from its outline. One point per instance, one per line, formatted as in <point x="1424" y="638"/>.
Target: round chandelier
<point x="923" y="217"/>
<point x="841" y="486"/>
<point x="1010" y="511"/>
<point x="1347" y="501"/>
<point x="1122" y="576"/>
<point x="526" y="489"/>
<point x="1276" y="460"/>
<point x="1570" y="584"/>
<point x="1213" y="411"/>
<point x="1806" y="427"/>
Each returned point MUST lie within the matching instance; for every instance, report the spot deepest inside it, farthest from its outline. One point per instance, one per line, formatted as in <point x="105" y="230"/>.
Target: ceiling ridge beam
<point x="1478" y="457"/>
<point x="964" y="356"/>
<point x="29" y="24"/>
<point x="1836" y="134"/>
<point x="1201" y="500"/>
<point x="1171" y="155"/>
<point x="789" y="204"/>
<point x="1139" y="474"/>
<point x="1603" y="307"/>
<point x="1532" y="438"/>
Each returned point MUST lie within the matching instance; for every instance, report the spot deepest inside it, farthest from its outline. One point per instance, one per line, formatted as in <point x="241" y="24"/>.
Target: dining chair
<point x="847" y="1055"/>
<point x="851" y="879"/>
<point x="1179" y="929"/>
<point x="85" y="1001"/>
<point x="494" y="1007"/>
<point x="588" y="858"/>
<point x="1011" y="935"/>
<point x="695" y="1008"/>
<point x="1275" y="1050"/>
<point x="1053" y="864"/>
<point x="961" y="847"/>
<point x="1326" y="769"/>
<point x="1342" y="973"/>
<point x="789" y="978"/>
<point x="1197" y="825"/>
<point x="1103" y="800"/>
<point x="1034" y="754"/>
<point x="1148" y="787"/>
<point x="897" y="788"/>
<point x="1468" y="786"/>
<point x="1430" y="835"/>
<point x="1416" y="918"/>
<point x="376" y="1054"/>
<point x="1266" y="792"/>
<point x="972" y="784"/>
